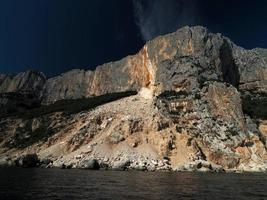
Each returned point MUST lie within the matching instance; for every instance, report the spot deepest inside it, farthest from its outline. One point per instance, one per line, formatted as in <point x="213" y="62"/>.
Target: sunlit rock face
<point x="70" y="85"/>
<point x="200" y="105"/>
<point x="179" y="61"/>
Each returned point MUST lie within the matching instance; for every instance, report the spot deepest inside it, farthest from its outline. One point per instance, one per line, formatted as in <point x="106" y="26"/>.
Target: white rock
<point x="146" y="93"/>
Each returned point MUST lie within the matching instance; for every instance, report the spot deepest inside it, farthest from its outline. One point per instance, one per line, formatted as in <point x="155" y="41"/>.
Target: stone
<point x="139" y="167"/>
<point x="116" y="137"/>
<point x="78" y="157"/>
<point x="46" y="161"/>
<point x="28" y="161"/>
<point x="146" y="93"/>
<point x="5" y="162"/>
<point x="136" y="125"/>
<point x="91" y="164"/>
<point x="121" y="165"/>
<point x="21" y="90"/>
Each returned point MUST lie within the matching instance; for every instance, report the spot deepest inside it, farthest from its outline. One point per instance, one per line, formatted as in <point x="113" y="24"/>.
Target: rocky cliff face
<point x="23" y="89"/>
<point x="201" y="105"/>
<point x="25" y="82"/>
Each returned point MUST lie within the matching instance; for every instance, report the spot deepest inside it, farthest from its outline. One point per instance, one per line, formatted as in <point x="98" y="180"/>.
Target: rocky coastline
<point x="187" y="101"/>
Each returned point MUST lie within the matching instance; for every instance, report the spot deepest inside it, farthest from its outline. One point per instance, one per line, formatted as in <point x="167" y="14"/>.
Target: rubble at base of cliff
<point x="141" y="164"/>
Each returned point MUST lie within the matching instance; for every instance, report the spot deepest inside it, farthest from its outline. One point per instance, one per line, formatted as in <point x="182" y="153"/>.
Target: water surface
<point x="81" y="184"/>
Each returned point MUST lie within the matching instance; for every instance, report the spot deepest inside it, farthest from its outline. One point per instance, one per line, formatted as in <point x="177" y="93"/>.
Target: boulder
<point x="121" y="165"/>
<point x="5" y="162"/>
<point x="28" y="161"/>
<point x="91" y="164"/>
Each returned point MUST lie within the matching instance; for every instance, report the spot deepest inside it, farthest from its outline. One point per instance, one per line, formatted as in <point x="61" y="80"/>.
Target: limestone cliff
<point x="24" y="89"/>
<point x="201" y="105"/>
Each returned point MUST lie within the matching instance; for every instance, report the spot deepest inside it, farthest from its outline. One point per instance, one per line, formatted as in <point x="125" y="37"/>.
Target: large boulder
<point x="121" y="165"/>
<point x="28" y="161"/>
<point x="91" y="164"/>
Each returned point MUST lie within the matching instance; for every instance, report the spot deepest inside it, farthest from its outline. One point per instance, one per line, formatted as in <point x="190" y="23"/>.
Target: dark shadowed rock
<point x="253" y="80"/>
<point x="28" y="161"/>
<point x="22" y="90"/>
<point x="30" y="82"/>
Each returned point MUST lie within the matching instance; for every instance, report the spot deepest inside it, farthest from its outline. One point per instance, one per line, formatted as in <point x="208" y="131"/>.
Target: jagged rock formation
<point x="20" y="91"/>
<point x="25" y="82"/>
<point x="201" y="105"/>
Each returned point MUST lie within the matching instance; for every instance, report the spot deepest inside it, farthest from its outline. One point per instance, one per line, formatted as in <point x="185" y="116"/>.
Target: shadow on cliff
<point x="230" y="71"/>
<point x="68" y="107"/>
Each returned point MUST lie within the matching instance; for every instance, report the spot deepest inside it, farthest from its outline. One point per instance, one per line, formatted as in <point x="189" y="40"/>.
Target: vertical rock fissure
<point x="230" y="72"/>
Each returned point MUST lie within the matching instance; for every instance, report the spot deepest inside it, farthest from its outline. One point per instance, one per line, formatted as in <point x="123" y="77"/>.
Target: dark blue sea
<point x="35" y="184"/>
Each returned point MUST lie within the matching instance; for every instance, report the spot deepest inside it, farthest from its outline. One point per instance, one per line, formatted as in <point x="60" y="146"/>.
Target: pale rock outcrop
<point x="71" y="85"/>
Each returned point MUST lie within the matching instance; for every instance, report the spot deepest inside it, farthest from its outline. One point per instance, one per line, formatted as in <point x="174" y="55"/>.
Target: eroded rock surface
<point x="24" y="89"/>
<point x="201" y="106"/>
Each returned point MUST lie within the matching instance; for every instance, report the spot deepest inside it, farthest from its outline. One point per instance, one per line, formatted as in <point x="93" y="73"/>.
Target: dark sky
<point x="54" y="36"/>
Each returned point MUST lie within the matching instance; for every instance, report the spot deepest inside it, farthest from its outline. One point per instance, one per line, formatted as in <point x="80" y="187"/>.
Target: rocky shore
<point x="188" y="101"/>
